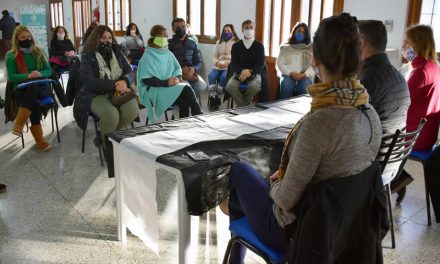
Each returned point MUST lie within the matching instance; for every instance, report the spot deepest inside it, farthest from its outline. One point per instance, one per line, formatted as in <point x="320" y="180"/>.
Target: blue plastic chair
<point x="48" y="101"/>
<point x="242" y="233"/>
<point x="423" y="157"/>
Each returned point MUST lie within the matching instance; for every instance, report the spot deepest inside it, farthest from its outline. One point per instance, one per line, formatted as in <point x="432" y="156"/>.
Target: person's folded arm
<point x="155" y="82"/>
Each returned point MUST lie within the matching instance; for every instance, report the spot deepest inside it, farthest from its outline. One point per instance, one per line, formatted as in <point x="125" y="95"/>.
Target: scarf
<point x="110" y="71"/>
<point x="345" y="93"/>
<point x="21" y="63"/>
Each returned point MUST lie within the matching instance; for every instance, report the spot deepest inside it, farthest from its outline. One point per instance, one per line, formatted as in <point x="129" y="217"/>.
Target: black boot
<point x="108" y="155"/>
<point x="398" y="185"/>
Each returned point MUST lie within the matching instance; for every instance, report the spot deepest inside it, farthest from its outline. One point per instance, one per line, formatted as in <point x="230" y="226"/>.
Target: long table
<point x="136" y="151"/>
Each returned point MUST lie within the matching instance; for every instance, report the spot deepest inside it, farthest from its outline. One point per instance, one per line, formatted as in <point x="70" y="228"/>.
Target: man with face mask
<point x="247" y="63"/>
<point x="187" y="54"/>
<point x="7" y="26"/>
<point x="387" y="88"/>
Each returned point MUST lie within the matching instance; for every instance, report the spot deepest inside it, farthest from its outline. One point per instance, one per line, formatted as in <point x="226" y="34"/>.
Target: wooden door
<point x="82" y="17"/>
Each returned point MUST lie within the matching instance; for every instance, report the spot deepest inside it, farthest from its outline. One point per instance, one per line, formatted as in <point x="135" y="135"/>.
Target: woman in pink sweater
<point x="424" y="90"/>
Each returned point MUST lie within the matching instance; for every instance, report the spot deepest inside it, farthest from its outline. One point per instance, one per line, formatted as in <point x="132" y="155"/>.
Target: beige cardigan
<point x="222" y="52"/>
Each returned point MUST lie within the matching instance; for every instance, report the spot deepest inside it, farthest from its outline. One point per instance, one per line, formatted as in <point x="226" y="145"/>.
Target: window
<point x="275" y="19"/>
<point x="56" y="13"/>
<point x="117" y="15"/>
<point x="82" y="17"/>
<point x="426" y="12"/>
<point x="203" y="17"/>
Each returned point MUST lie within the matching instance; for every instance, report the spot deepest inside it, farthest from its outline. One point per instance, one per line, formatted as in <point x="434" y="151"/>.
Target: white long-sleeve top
<point x="222" y="52"/>
<point x="295" y="58"/>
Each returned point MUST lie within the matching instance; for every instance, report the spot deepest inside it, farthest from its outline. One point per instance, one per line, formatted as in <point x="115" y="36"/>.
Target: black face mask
<point x="25" y="44"/>
<point x="105" y="49"/>
<point x="180" y="33"/>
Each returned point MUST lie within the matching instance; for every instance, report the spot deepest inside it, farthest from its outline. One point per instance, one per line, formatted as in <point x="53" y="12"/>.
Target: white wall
<point x="395" y="10"/>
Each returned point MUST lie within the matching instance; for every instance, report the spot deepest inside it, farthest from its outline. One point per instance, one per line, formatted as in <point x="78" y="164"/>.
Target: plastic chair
<point x="242" y="233"/>
<point x="98" y="136"/>
<point x="423" y="157"/>
<point x="398" y="147"/>
<point x="48" y="102"/>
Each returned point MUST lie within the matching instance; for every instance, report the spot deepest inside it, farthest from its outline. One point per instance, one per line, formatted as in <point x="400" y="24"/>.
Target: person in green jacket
<point x="26" y="61"/>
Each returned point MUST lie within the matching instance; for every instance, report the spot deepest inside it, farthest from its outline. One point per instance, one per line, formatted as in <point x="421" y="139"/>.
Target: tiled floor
<point x="60" y="208"/>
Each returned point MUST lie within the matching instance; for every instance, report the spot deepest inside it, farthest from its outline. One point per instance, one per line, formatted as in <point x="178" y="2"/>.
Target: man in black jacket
<point x="188" y="55"/>
<point x="247" y="63"/>
<point x="387" y="88"/>
<point x="7" y="26"/>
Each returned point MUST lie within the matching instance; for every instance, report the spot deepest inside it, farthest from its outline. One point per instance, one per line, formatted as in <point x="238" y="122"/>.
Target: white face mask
<point x="409" y="54"/>
<point x="61" y="36"/>
<point x="248" y="33"/>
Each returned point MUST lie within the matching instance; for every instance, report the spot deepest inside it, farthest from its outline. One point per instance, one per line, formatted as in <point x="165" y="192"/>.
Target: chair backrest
<point x="398" y="146"/>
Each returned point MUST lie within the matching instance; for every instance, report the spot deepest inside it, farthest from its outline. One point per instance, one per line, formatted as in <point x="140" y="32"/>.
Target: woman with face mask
<point x="294" y="62"/>
<point x="221" y="59"/>
<point x="133" y="43"/>
<point x="105" y="73"/>
<point x="159" y="78"/>
<point x="26" y="61"/>
<point x="61" y="50"/>
<point x="339" y="137"/>
<point x="424" y="90"/>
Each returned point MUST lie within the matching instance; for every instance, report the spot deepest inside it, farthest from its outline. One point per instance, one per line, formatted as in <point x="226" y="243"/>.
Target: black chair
<point x="46" y="104"/>
<point x="396" y="148"/>
<point x="98" y="137"/>
<point x="423" y="157"/>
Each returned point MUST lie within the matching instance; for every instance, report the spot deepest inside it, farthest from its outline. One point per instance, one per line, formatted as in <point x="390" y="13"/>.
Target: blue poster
<point x="34" y="18"/>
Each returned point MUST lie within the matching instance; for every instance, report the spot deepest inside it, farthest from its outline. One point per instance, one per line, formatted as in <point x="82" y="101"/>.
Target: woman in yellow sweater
<point x="27" y="61"/>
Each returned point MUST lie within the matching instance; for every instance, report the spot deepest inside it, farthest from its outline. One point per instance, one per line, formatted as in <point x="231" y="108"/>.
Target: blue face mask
<point x="299" y="37"/>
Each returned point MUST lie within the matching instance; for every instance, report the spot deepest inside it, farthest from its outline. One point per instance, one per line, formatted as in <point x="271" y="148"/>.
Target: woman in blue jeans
<point x="337" y="138"/>
<point x="294" y="62"/>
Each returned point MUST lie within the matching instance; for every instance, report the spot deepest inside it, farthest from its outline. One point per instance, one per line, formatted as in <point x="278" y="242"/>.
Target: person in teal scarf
<point x="159" y="79"/>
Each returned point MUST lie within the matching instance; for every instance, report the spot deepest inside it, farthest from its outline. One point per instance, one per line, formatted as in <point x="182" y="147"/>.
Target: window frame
<point x="118" y="33"/>
<point x="338" y="6"/>
<point x="59" y="18"/>
<point x="202" y="38"/>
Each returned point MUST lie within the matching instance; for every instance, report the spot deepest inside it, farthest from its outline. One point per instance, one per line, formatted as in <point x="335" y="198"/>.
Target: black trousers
<point x="28" y="98"/>
<point x="187" y="100"/>
<point x="432" y="174"/>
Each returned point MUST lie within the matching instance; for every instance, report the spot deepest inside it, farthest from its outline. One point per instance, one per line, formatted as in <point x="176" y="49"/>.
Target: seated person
<point x="26" y="61"/>
<point x="61" y="50"/>
<point x="294" y="63"/>
<point x="339" y="137"/>
<point x="188" y="55"/>
<point x="247" y="62"/>
<point x="160" y="79"/>
<point x="221" y="58"/>
<point x="133" y="44"/>
<point x="104" y="70"/>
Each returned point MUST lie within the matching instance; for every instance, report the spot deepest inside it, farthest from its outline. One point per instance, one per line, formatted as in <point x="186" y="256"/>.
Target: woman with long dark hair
<point x="294" y="62"/>
<point x="133" y="43"/>
<point x="105" y="73"/>
<point x="339" y="137"/>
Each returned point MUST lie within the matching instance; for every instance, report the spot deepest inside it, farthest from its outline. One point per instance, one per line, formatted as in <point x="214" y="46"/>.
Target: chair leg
<point x="22" y="140"/>
<point x="228" y="251"/>
<point x="428" y="202"/>
<point x="146" y="122"/>
<point x="98" y="134"/>
<point x="390" y="215"/>
<point x="166" y="115"/>
<point x="51" y="118"/>
<point x="56" y="125"/>
<point x="84" y="140"/>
